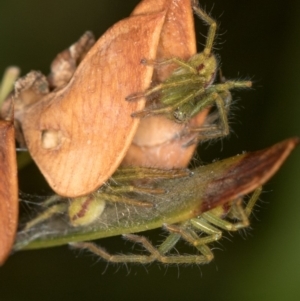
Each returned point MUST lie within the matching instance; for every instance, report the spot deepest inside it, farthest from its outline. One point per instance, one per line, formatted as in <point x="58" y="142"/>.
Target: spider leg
<point x="240" y="213"/>
<point x="123" y="258"/>
<point x="168" y="110"/>
<point x="115" y="198"/>
<point x="133" y="188"/>
<point x="222" y="95"/>
<point x="212" y="26"/>
<point x="120" y="258"/>
<point x="48" y="213"/>
<point x="125" y="175"/>
<point x="237" y="211"/>
<point x="155" y="254"/>
<point x="230" y="85"/>
<point x="136" y="96"/>
<point x="192" y="237"/>
<point x="173" y="60"/>
<point x="210" y="131"/>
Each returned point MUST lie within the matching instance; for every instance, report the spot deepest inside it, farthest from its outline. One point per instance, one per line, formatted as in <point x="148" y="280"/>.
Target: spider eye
<point x="200" y="67"/>
<point x="180" y="116"/>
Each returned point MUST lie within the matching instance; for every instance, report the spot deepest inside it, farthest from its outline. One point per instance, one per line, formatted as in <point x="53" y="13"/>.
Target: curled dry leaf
<point x="9" y="201"/>
<point x="159" y="141"/>
<point x="79" y="134"/>
<point x="66" y="62"/>
<point x="28" y="90"/>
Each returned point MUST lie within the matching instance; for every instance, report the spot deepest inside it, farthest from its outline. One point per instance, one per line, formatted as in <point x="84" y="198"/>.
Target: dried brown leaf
<point x="78" y="135"/>
<point x="9" y="201"/>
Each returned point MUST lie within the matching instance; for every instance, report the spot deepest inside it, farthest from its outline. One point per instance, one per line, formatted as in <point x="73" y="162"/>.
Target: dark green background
<point x="258" y="40"/>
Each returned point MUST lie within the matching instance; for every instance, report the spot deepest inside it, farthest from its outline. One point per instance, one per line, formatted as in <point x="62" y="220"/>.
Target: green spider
<point x="190" y="88"/>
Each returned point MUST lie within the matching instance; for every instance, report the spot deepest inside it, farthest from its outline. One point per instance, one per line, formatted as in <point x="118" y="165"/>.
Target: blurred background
<point x="257" y="39"/>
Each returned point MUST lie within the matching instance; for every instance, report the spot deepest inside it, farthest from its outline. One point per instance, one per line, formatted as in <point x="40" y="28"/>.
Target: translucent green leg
<point x="207" y="219"/>
<point x="125" y="200"/>
<point x="212" y="26"/>
<point x="169" y="243"/>
<point x="125" y="175"/>
<point x="222" y="100"/>
<point x="173" y="60"/>
<point x="156" y="254"/>
<point x="51" y="200"/>
<point x="48" y="213"/>
<point x="238" y="212"/>
<point x="166" y="109"/>
<point x="143" y="259"/>
<point x="122" y="258"/>
<point x="200" y="244"/>
<point x="212" y="131"/>
<point x="136" y="189"/>
<point x="230" y="85"/>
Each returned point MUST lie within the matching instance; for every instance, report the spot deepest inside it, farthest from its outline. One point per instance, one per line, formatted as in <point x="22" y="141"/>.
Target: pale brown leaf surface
<point x="9" y="201"/>
<point x="79" y="134"/>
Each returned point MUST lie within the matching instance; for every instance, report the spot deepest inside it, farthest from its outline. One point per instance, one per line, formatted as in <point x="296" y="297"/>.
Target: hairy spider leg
<point x="222" y="98"/>
<point x="212" y="27"/>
